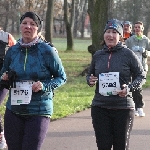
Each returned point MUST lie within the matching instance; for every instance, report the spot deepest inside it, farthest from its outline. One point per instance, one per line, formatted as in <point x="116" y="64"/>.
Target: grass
<point x="75" y="95"/>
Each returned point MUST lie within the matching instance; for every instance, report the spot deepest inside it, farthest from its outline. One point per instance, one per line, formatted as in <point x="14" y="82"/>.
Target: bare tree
<point x="80" y="15"/>
<point x="84" y="13"/>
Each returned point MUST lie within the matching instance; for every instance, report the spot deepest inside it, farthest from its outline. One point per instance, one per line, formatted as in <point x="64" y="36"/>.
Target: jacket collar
<point x="115" y="48"/>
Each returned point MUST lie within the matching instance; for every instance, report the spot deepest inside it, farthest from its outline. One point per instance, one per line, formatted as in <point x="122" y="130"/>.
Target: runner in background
<point x="140" y="45"/>
<point x="127" y="29"/>
<point x="6" y="40"/>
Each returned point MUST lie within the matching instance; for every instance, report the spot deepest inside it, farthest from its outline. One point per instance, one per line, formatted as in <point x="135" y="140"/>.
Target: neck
<point x="139" y="34"/>
<point x="28" y="40"/>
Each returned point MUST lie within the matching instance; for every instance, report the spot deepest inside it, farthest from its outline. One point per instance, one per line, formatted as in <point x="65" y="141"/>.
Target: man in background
<point x="140" y="45"/>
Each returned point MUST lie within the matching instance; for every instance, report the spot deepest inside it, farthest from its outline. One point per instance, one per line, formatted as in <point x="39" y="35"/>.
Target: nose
<point x="111" y="34"/>
<point x="28" y="25"/>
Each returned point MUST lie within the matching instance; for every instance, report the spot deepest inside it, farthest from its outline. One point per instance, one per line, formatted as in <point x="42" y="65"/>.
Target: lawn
<point x="75" y="95"/>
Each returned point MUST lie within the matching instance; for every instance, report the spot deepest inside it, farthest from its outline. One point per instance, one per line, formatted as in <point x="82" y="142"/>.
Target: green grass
<point x="75" y="95"/>
<point x="79" y="44"/>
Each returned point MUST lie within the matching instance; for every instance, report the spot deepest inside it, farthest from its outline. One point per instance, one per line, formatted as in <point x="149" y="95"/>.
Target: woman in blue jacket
<point x="38" y="71"/>
<point x="112" y="108"/>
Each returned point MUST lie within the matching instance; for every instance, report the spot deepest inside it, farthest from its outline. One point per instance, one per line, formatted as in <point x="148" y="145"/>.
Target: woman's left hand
<point x="37" y="86"/>
<point x="123" y="92"/>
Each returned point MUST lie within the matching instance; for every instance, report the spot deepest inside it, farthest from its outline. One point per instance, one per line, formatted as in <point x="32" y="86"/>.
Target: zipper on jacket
<point x="25" y="59"/>
<point x="109" y="60"/>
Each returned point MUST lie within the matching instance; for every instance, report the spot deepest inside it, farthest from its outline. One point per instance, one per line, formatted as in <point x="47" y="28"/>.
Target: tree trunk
<point x="98" y="12"/>
<point x="83" y="19"/>
<point x="6" y="20"/>
<point x="69" y="24"/>
<point x="49" y="21"/>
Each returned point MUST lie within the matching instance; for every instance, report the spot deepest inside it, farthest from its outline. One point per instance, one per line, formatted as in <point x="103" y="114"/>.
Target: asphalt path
<point x="75" y="132"/>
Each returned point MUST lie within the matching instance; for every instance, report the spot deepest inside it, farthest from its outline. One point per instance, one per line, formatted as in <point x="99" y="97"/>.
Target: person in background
<point x="6" y="40"/>
<point x="112" y="108"/>
<point x="140" y="45"/>
<point x="127" y="29"/>
<point x="36" y="71"/>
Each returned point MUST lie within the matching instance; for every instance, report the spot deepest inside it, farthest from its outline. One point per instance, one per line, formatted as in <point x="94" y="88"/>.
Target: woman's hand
<point x="37" y="86"/>
<point x="92" y="80"/>
<point x="4" y="76"/>
<point x="123" y="92"/>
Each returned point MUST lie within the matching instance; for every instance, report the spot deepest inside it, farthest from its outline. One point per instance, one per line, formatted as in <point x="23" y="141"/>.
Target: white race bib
<point x="109" y="83"/>
<point x="22" y="93"/>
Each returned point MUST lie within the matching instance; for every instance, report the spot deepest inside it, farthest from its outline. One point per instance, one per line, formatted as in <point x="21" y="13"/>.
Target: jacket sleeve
<point x="138" y="73"/>
<point x="57" y="71"/>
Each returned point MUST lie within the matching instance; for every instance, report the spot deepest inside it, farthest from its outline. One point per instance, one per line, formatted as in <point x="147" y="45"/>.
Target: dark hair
<point x="139" y="22"/>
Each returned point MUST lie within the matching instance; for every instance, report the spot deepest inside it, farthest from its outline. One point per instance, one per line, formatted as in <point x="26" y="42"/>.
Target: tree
<point x="83" y="18"/>
<point x="49" y="21"/>
<point x="80" y="15"/>
<point x="98" y="12"/>
<point x="69" y="22"/>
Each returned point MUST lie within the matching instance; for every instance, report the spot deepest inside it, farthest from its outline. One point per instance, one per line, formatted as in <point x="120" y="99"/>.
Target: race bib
<point x="109" y="83"/>
<point x="22" y="93"/>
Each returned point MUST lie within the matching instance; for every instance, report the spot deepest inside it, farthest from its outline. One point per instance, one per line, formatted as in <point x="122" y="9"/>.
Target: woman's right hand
<point x="4" y="76"/>
<point x="92" y="80"/>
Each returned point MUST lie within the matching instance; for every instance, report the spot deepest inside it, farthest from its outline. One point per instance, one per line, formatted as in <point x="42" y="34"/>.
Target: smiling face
<point x="29" y="30"/>
<point x="111" y="37"/>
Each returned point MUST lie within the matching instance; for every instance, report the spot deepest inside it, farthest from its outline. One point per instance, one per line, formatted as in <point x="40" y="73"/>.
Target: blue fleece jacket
<point x="39" y="62"/>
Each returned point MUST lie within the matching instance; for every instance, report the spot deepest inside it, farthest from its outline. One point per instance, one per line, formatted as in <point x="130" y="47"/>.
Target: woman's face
<point x="111" y="37"/>
<point x="29" y="29"/>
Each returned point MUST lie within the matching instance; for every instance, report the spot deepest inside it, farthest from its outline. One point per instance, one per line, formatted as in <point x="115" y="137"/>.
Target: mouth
<point x="110" y="40"/>
<point x="27" y="32"/>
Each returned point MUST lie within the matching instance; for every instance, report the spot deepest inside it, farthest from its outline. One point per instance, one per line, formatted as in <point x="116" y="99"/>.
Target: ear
<point x="142" y="29"/>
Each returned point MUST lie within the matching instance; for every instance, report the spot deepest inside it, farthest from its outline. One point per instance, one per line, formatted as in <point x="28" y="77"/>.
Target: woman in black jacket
<point x="112" y="108"/>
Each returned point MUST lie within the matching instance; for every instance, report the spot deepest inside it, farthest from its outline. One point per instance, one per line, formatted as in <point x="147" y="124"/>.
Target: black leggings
<point x="138" y="98"/>
<point x="24" y="132"/>
<point x="112" y="127"/>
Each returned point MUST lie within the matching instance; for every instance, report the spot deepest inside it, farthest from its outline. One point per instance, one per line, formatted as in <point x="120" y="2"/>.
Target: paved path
<point x="75" y="132"/>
